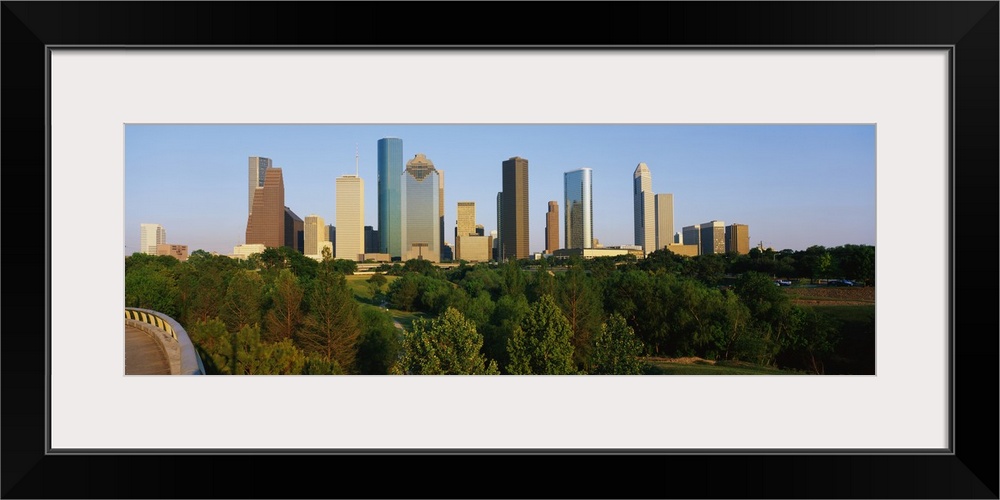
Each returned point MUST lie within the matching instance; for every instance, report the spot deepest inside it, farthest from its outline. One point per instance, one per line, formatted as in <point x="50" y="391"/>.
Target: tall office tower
<point x="294" y="231"/>
<point x="151" y="235"/>
<point x="466" y="223"/>
<point x="480" y="230"/>
<point x="371" y="240"/>
<point x="713" y="237"/>
<point x="316" y="233"/>
<point x="390" y="169"/>
<point x="420" y="203"/>
<point x="445" y="252"/>
<point x="495" y="235"/>
<point x="499" y="244"/>
<point x="266" y="222"/>
<point x="333" y="237"/>
<point x="258" y="165"/>
<point x="691" y="235"/>
<point x="644" y="214"/>
<point x="514" y="234"/>
<point x="350" y="218"/>
<point x="579" y="208"/>
<point x="664" y="220"/>
<point x="738" y="238"/>
<point x="552" y="227"/>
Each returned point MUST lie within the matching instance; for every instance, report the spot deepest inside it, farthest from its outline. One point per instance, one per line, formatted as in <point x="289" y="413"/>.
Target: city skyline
<point x="793" y="185"/>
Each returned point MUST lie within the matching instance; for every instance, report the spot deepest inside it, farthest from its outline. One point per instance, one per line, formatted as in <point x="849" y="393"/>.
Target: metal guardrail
<point x="182" y="356"/>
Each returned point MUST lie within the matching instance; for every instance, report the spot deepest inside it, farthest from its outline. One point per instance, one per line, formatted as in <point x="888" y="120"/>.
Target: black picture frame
<point x="970" y="28"/>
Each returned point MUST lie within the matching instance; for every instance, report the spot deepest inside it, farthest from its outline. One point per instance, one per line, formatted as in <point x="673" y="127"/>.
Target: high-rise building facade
<point x="514" y="234"/>
<point x="257" y="166"/>
<point x="579" y="206"/>
<point x="371" y="240"/>
<point x="643" y="209"/>
<point x="316" y="232"/>
<point x="445" y="251"/>
<point x="691" y="235"/>
<point x="552" y="227"/>
<point x="664" y="208"/>
<point x="496" y="241"/>
<point x="294" y="231"/>
<point x="151" y="235"/>
<point x="350" y="218"/>
<point x="266" y="222"/>
<point x="390" y="170"/>
<point x="421" y="218"/>
<point x="738" y="238"/>
<point x="466" y="223"/>
<point x="713" y="237"/>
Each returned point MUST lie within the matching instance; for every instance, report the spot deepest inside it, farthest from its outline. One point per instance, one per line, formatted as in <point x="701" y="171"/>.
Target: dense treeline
<point x="281" y="312"/>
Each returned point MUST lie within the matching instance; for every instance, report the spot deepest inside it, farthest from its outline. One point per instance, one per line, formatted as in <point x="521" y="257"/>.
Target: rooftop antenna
<point x="356" y="159"/>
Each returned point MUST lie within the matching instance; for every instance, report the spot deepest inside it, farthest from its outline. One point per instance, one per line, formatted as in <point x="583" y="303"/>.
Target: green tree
<point x="243" y="301"/>
<point x="508" y="312"/>
<point x="580" y="301"/>
<point x="150" y="285"/>
<point x="542" y="343"/>
<point x="376" y="283"/>
<point x="616" y="349"/>
<point x="446" y="345"/>
<point x="332" y="327"/>
<point x="285" y="315"/>
<point x="380" y="343"/>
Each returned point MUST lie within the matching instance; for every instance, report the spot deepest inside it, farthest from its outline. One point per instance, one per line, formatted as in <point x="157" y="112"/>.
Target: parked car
<point x="783" y="282"/>
<point x="840" y="283"/>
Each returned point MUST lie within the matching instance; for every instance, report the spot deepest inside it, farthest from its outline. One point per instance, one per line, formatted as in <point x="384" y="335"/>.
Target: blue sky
<point x="794" y="185"/>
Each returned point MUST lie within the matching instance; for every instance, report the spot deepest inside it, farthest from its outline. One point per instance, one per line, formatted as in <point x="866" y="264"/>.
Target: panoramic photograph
<point x="483" y="249"/>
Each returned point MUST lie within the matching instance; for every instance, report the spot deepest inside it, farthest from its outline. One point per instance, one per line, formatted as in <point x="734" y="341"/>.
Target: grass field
<point x="363" y="294"/>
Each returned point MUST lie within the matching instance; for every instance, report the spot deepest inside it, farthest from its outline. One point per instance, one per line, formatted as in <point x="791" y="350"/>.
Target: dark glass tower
<point x="390" y="169"/>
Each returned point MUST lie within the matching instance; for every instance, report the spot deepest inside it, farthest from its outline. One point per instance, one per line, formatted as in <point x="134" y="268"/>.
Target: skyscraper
<point x="445" y="253"/>
<point x="390" y="170"/>
<point x="713" y="237"/>
<point x="316" y="233"/>
<point x="151" y="235"/>
<point x="498" y="243"/>
<point x="643" y="208"/>
<point x="420" y="203"/>
<point x="258" y="165"/>
<point x="738" y="238"/>
<point x="691" y="235"/>
<point x="514" y="233"/>
<point x="350" y="218"/>
<point x="579" y="208"/>
<point x="664" y="220"/>
<point x="266" y="222"/>
<point x="294" y="231"/>
<point x="552" y="227"/>
<point x="466" y="223"/>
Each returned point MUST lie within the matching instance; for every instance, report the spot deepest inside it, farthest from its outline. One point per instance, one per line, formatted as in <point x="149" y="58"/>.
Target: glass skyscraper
<point x="579" y="208"/>
<point x="390" y="170"/>
<point x="421" y="203"/>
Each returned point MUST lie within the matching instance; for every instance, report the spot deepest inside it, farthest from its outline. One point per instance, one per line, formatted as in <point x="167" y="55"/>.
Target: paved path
<point x="143" y="355"/>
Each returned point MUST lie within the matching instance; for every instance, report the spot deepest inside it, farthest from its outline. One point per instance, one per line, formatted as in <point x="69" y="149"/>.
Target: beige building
<point x="664" y="207"/>
<point x="713" y="237"/>
<point x="590" y="253"/>
<point x="315" y="235"/>
<point x="242" y="252"/>
<point x="350" y="218"/>
<point x="466" y="223"/>
<point x="643" y="216"/>
<point x="738" y="238"/>
<point x="686" y="250"/>
<point x="151" y="235"/>
<point x="474" y="248"/>
<point x="178" y="251"/>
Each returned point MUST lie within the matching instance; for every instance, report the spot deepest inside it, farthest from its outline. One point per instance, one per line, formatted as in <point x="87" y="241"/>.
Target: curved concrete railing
<point x="172" y="337"/>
